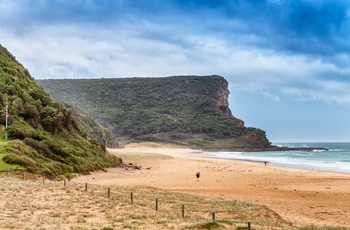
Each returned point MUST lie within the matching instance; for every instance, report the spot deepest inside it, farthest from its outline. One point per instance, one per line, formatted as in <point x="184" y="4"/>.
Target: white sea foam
<point x="319" y="150"/>
<point x="336" y="159"/>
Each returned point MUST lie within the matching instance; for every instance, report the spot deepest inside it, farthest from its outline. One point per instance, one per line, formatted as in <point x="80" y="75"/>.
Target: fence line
<point x="213" y="214"/>
<point x="20" y="173"/>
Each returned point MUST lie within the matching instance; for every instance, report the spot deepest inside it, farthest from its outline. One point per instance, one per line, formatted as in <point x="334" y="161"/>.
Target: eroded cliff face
<point x="222" y="102"/>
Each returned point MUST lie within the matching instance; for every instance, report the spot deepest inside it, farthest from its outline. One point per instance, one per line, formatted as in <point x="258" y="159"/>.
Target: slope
<point x="91" y="128"/>
<point x="44" y="137"/>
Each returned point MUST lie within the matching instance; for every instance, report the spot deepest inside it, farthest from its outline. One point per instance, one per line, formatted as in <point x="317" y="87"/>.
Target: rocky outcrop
<point x="223" y="93"/>
<point x="222" y="101"/>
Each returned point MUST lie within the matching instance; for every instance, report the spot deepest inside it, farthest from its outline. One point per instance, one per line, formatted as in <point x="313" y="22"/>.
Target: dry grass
<point x="135" y="155"/>
<point x="32" y="204"/>
<point x="149" y="144"/>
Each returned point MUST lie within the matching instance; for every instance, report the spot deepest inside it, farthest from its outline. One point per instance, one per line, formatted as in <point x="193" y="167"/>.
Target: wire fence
<point x="162" y="201"/>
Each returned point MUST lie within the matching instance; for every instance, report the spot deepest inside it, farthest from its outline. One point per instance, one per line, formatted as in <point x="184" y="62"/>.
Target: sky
<point x="287" y="61"/>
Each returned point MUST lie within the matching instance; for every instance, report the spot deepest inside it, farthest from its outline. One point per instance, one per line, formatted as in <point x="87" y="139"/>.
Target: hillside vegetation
<point x="91" y="128"/>
<point x="44" y="136"/>
<point x="183" y="110"/>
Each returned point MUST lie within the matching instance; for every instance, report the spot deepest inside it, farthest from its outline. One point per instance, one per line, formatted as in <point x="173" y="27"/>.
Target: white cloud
<point x="147" y="49"/>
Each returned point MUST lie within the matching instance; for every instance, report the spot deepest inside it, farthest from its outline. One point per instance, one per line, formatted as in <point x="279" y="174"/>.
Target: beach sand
<point x="300" y="197"/>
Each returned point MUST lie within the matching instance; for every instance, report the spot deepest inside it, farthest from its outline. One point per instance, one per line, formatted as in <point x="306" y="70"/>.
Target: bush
<point x="22" y="160"/>
<point x="19" y="134"/>
<point x="40" y="147"/>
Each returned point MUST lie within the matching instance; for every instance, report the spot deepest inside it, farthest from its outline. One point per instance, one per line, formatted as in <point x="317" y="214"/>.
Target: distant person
<point x="198" y="174"/>
<point x="265" y="163"/>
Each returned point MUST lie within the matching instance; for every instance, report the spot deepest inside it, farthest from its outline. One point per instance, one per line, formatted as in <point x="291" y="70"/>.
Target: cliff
<point x="43" y="136"/>
<point x="222" y="101"/>
<point x="183" y="110"/>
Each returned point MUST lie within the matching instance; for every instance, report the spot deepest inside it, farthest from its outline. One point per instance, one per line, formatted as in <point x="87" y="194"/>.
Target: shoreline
<point x="301" y="197"/>
<point x="297" y="164"/>
<point x="274" y="148"/>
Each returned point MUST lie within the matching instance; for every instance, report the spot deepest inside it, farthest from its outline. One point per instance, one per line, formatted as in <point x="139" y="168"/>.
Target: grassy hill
<point x="184" y="110"/>
<point x="44" y="136"/>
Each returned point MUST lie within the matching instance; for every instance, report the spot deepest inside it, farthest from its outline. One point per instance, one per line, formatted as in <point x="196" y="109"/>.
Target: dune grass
<point x="135" y="155"/>
<point x="32" y="204"/>
<point x="3" y="165"/>
<point x="38" y="204"/>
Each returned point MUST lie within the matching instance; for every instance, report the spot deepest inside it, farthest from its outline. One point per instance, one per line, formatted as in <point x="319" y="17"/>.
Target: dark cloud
<point x="253" y="38"/>
<point x="313" y="27"/>
<point x="317" y="19"/>
<point x="296" y="26"/>
<point x="292" y="25"/>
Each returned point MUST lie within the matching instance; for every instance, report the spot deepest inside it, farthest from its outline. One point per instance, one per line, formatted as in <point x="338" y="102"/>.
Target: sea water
<point x="336" y="158"/>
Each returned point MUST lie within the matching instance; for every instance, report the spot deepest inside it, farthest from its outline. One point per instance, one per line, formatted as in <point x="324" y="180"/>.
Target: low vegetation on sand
<point x="35" y="203"/>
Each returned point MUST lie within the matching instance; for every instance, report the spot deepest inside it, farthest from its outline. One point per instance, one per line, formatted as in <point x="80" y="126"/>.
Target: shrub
<point x="40" y="147"/>
<point x="19" y="134"/>
<point x="19" y="160"/>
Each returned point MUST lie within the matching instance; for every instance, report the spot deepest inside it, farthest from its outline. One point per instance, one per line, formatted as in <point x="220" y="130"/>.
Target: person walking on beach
<point x="198" y="174"/>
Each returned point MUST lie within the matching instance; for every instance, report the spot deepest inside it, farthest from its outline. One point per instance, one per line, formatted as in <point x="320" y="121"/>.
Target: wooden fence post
<point x="65" y="182"/>
<point x="85" y="187"/>
<point x="249" y="227"/>
<point x="183" y="211"/>
<point x="157" y="204"/>
<point x="213" y="214"/>
<point x="43" y="179"/>
<point x="132" y="198"/>
<point x="109" y="193"/>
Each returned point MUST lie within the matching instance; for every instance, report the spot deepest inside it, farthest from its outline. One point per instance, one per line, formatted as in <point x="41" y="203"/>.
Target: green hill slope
<point x="91" y="128"/>
<point x="184" y="110"/>
<point x="44" y="137"/>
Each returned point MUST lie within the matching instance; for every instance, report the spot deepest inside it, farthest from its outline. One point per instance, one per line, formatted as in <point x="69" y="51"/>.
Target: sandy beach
<point x="300" y="197"/>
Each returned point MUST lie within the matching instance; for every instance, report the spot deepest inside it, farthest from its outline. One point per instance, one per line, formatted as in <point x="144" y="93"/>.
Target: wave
<point x="302" y="160"/>
<point x="319" y="150"/>
<point x="336" y="150"/>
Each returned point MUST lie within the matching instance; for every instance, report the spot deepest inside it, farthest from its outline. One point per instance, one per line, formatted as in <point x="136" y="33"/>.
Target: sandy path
<point x="301" y="197"/>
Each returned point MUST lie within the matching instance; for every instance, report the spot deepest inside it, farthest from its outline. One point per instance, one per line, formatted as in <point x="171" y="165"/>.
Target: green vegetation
<point x="3" y="165"/>
<point x="181" y="110"/>
<point x="91" y="128"/>
<point x="44" y="136"/>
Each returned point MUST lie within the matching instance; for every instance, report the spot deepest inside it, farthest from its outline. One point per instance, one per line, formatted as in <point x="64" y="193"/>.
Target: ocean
<point x="335" y="159"/>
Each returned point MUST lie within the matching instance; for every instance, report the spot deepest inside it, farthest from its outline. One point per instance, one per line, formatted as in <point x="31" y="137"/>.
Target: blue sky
<point x="287" y="61"/>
